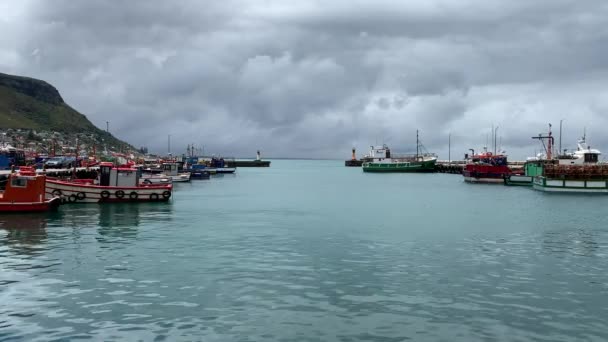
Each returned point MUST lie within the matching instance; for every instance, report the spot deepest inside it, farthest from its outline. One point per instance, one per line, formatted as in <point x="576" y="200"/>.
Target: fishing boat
<point x="579" y="171"/>
<point x="218" y="165"/>
<point x="169" y="170"/>
<point x="199" y="171"/>
<point x="383" y="161"/>
<point x="532" y="167"/>
<point x="148" y="179"/>
<point x="113" y="184"/>
<point x="25" y="192"/>
<point x="486" y="167"/>
<point x="10" y="156"/>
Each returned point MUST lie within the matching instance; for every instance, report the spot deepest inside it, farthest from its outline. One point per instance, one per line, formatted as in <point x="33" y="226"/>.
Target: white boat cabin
<point x="584" y="155"/>
<point x="117" y="176"/>
<point x="170" y="169"/>
<point x="379" y="153"/>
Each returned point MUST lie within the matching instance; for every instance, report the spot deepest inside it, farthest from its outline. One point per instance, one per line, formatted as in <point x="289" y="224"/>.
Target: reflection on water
<point x="123" y="220"/>
<point x="24" y="231"/>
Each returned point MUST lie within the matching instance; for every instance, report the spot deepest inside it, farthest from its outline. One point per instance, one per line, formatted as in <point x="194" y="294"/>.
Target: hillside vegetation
<point x="29" y="103"/>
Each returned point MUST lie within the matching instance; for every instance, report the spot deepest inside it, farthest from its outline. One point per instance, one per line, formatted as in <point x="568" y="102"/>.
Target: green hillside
<point x="29" y="103"/>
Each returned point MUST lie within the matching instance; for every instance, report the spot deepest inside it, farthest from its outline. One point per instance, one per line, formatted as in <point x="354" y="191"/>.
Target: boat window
<point x="591" y="158"/>
<point x="18" y="182"/>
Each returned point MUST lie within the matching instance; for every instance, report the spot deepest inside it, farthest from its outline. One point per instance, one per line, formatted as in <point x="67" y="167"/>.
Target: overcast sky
<point x="315" y="78"/>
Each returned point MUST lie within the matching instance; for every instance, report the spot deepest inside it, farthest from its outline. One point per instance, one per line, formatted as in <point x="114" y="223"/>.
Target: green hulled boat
<point x="393" y="166"/>
<point x="382" y="161"/>
<point x="532" y="168"/>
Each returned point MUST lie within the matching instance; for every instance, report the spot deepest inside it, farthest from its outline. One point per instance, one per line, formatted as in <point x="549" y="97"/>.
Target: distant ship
<point x="382" y="161"/>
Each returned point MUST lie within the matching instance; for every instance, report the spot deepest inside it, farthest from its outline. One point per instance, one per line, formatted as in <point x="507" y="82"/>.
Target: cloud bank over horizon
<point x="314" y="79"/>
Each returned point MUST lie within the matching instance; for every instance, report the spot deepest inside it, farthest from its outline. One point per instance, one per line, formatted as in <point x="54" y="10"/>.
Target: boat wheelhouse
<point x="113" y="184"/>
<point x="532" y="168"/>
<point x="25" y="192"/>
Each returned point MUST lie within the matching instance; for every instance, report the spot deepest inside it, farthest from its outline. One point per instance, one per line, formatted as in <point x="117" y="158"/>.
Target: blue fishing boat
<point x="199" y="171"/>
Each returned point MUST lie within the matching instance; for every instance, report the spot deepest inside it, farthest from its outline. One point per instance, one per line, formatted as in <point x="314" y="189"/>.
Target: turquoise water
<point x="312" y="251"/>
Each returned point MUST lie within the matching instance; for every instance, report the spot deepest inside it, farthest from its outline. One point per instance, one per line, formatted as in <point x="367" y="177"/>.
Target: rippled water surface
<point x="312" y="251"/>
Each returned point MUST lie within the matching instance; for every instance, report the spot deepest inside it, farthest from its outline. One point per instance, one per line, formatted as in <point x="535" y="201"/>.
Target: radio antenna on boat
<point x="585" y="134"/>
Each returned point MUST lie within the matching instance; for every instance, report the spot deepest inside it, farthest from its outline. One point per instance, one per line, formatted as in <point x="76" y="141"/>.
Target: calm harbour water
<point x="312" y="251"/>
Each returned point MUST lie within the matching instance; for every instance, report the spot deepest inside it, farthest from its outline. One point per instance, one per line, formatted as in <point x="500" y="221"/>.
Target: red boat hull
<point x="22" y="207"/>
<point x="485" y="173"/>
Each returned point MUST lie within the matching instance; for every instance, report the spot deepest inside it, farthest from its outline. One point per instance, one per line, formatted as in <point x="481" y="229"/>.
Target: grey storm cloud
<point x="312" y="78"/>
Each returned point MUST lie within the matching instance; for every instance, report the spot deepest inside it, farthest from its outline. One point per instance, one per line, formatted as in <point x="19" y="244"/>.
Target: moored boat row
<point x="579" y="171"/>
<point x="31" y="190"/>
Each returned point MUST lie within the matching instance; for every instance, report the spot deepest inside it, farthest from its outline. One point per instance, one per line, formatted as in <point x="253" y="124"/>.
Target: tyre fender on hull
<point x="119" y="194"/>
<point x="166" y="194"/>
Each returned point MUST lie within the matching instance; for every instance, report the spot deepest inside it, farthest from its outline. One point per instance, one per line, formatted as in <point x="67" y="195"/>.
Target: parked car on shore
<point x="60" y="162"/>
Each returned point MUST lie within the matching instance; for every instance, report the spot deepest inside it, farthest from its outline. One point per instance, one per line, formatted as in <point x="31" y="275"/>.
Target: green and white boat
<point x="580" y="172"/>
<point x="383" y="161"/>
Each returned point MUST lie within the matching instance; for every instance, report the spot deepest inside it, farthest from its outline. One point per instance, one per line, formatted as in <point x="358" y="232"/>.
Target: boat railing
<point x="412" y="157"/>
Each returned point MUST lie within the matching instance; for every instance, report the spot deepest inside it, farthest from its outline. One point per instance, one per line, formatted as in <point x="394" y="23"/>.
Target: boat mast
<point x="549" y="144"/>
<point x="417" y="144"/>
<point x="450" y="148"/>
<point x="560" y="136"/>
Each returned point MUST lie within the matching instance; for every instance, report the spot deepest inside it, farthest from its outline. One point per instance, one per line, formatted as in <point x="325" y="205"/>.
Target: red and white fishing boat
<point x="486" y="168"/>
<point x="25" y="192"/>
<point x="113" y="184"/>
